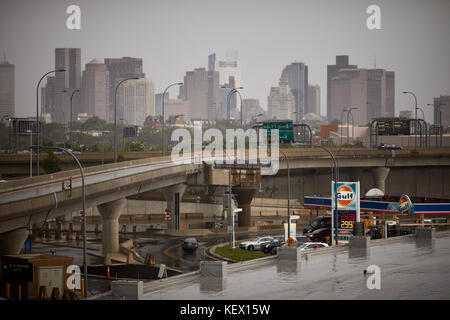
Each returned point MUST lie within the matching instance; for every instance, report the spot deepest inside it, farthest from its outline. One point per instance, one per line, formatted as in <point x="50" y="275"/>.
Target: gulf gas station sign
<point x="345" y="198"/>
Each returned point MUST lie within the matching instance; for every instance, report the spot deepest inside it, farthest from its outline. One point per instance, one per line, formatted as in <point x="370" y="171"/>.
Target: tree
<point x="51" y="163"/>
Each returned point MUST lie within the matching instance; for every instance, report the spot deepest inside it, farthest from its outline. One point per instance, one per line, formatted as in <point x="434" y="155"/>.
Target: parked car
<point x="312" y="245"/>
<point x="255" y="244"/>
<point x="189" y="244"/>
<point x="389" y="147"/>
<point x="271" y="246"/>
<point x="317" y="223"/>
<point x="319" y="235"/>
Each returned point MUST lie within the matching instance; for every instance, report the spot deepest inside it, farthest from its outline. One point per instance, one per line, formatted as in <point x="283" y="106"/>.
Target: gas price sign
<point x="347" y="198"/>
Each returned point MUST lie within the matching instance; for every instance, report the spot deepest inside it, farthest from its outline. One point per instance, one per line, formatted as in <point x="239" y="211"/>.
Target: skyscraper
<point x="313" y="105"/>
<point x="380" y="93"/>
<point x="349" y="90"/>
<point x="227" y="64"/>
<point x="201" y="89"/>
<point x="297" y="75"/>
<point x="119" y="69"/>
<point x="70" y="60"/>
<point x="48" y="96"/>
<point x="332" y="71"/>
<point x="7" y="91"/>
<point x="95" y="90"/>
<point x="136" y="101"/>
<point x="442" y="104"/>
<point x="281" y="101"/>
<point x="251" y="108"/>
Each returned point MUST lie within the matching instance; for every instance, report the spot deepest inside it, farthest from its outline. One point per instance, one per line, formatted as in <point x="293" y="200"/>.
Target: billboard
<point x="347" y="202"/>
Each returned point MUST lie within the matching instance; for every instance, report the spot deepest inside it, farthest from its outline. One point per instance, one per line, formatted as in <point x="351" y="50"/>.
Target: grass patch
<point x="239" y="254"/>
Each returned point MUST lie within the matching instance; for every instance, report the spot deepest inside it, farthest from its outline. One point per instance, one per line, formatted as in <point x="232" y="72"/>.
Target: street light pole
<point x="83" y="208"/>
<point x="440" y="121"/>
<point x="335" y="178"/>
<point x="342" y="120"/>
<point x="289" y="194"/>
<point x="162" y="110"/>
<point x="31" y="152"/>
<point x="348" y="112"/>
<point x="415" y="117"/>
<point x="115" y="114"/>
<point x="70" y="125"/>
<point x="37" y="114"/>
<point x="230" y="211"/>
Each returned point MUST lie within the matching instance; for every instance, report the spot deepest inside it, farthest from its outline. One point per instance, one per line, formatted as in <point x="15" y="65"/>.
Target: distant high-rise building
<point x="332" y="72"/>
<point x="201" y="89"/>
<point x="281" y="101"/>
<point x="227" y="64"/>
<point x="313" y="105"/>
<point x="250" y="109"/>
<point x="136" y="101"/>
<point x="48" y="96"/>
<point x="7" y="91"/>
<point x="349" y="90"/>
<point x="390" y="93"/>
<point x="70" y="60"/>
<point x="380" y="93"/>
<point x="442" y="117"/>
<point x="177" y="107"/>
<point x="119" y="69"/>
<point x="95" y="90"/>
<point x="297" y="75"/>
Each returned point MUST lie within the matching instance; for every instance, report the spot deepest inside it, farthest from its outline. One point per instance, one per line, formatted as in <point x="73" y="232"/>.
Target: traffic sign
<point x="167" y="216"/>
<point x="290" y="241"/>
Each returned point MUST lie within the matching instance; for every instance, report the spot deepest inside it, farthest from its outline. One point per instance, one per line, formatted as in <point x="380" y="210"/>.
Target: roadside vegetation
<point x="239" y="254"/>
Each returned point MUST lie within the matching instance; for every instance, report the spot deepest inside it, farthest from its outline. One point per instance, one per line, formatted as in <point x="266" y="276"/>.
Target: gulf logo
<point x="345" y="195"/>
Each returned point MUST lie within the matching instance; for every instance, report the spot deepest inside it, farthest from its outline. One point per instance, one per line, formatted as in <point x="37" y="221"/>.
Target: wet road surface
<point x="408" y="271"/>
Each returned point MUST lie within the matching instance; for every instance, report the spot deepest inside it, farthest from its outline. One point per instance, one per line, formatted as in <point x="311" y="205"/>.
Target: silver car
<point x="255" y="244"/>
<point x="189" y="244"/>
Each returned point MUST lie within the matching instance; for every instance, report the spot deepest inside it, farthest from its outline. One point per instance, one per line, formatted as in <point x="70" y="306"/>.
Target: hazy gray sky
<point x="174" y="36"/>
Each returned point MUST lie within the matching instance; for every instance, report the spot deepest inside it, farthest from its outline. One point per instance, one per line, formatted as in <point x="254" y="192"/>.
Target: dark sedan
<point x="319" y="235"/>
<point x="189" y="244"/>
<point x="272" y="246"/>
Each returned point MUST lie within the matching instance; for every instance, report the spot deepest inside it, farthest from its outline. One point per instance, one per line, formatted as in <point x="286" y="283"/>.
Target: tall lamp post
<point x="289" y="194"/>
<point x="415" y="117"/>
<point x="231" y="213"/>
<point x="342" y="120"/>
<point x="440" y="120"/>
<point x="83" y="209"/>
<point x="37" y="114"/>
<point x="115" y="114"/>
<point x="70" y="125"/>
<point x="335" y="178"/>
<point x="348" y="112"/>
<point x="162" y="110"/>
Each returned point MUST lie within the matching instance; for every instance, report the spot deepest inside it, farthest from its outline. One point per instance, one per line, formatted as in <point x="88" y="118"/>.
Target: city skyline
<point x="402" y="45"/>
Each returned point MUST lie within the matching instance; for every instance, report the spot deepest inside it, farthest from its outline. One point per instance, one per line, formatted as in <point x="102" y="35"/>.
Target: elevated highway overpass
<point x="24" y="202"/>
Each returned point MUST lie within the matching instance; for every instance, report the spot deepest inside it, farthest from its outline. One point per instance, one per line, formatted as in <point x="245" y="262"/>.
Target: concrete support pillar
<point x="169" y="196"/>
<point x="244" y="198"/>
<point x="12" y="242"/>
<point x="110" y="213"/>
<point x="379" y="177"/>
